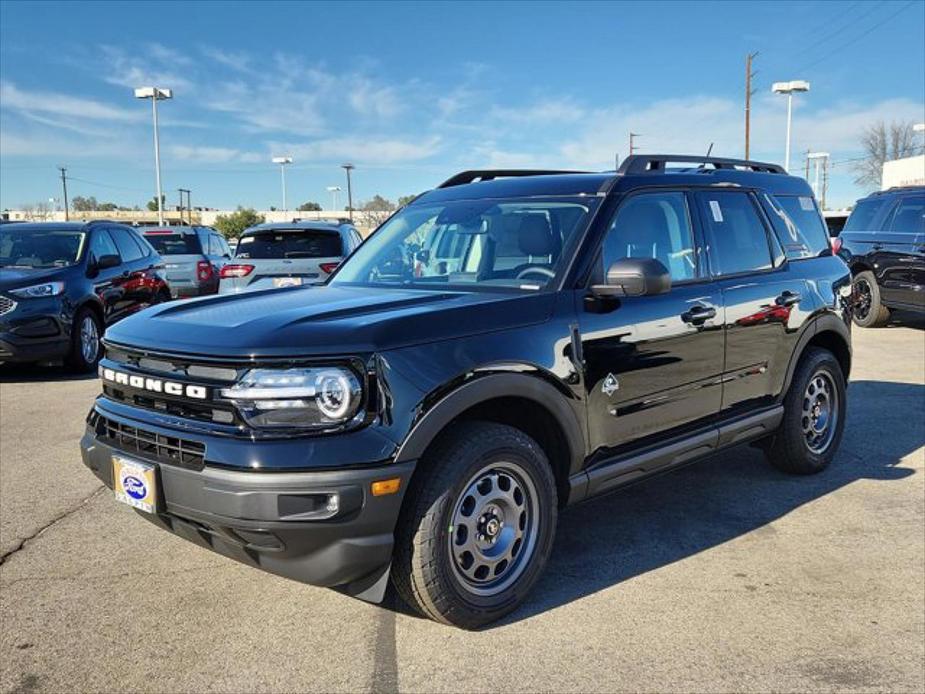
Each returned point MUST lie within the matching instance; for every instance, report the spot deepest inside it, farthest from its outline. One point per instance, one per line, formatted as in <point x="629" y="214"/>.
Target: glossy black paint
<point x="896" y="258"/>
<point x="599" y="380"/>
<point x="40" y="328"/>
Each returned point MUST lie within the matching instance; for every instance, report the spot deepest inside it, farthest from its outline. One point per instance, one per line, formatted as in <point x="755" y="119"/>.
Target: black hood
<point x="323" y="321"/>
<point x="17" y="276"/>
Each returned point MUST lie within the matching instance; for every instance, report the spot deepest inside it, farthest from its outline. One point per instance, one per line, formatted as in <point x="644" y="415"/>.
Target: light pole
<point x="156" y="94"/>
<point x="283" y="161"/>
<point x="348" y="168"/>
<point x="334" y="190"/>
<point x="789" y="88"/>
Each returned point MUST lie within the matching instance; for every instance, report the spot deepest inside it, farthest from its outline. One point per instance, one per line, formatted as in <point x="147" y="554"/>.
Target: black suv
<point x="62" y="283"/>
<point x="426" y="417"/>
<point x="884" y="244"/>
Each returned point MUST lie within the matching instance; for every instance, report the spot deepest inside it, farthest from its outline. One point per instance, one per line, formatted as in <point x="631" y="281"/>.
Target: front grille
<point x="148" y="444"/>
<point x="6" y="305"/>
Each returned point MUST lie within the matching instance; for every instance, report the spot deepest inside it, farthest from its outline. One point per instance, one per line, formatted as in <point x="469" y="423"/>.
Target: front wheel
<point x="814" y="416"/>
<point x="86" y="333"/>
<point x="477" y="526"/>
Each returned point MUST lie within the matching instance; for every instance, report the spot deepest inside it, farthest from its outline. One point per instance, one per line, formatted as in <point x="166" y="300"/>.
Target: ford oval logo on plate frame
<point x="135" y="483"/>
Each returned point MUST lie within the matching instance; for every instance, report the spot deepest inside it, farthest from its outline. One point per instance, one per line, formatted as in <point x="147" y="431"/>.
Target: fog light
<point x="383" y="487"/>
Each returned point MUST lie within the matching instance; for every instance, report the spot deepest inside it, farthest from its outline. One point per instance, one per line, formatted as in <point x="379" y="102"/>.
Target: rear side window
<point x="799" y="225"/>
<point x="290" y="244"/>
<point x="909" y="216"/>
<point x="736" y="236"/>
<point x="174" y="244"/>
<point x="129" y="249"/>
<point x="101" y="244"/>
<point x="864" y="214"/>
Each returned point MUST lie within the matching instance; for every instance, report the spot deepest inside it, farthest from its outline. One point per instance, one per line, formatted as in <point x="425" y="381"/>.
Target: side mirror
<point x="107" y="261"/>
<point x="634" y="277"/>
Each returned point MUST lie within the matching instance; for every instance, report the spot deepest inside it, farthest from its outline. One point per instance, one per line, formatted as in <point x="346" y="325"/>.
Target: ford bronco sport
<point x="425" y="414"/>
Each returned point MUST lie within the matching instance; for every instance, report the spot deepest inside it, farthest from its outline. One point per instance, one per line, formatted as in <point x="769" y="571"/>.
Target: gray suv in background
<point x="193" y="257"/>
<point x="288" y="254"/>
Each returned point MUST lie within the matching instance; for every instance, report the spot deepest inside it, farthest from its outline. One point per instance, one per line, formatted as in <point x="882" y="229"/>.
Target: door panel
<point x="650" y="366"/>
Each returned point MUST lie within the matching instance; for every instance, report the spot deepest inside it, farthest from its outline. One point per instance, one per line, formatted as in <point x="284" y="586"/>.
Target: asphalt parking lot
<point x="724" y="576"/>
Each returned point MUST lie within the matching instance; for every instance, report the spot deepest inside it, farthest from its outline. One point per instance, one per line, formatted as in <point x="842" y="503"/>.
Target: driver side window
<point x="653" y="225"/>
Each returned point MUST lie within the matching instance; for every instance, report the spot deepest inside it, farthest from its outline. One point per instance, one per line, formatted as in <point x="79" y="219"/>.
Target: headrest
<point x="535" y="236"/>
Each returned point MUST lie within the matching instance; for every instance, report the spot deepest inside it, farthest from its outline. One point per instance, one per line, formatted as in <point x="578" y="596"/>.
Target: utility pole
<point x="348" y="168"/>
<point x="633" y="136"/>
<point x="806" y="176"/>
<point x="748" y="98"/>
<point x="63" y="171"/>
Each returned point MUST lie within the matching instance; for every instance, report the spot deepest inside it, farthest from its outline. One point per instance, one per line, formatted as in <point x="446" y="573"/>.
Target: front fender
<point x="482" y="387"/>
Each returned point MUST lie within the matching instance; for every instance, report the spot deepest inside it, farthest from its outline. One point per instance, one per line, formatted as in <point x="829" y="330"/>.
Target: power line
<point x="104" y="185"/>
<point x="852" y="22"/>
<point x="860" y="36"/>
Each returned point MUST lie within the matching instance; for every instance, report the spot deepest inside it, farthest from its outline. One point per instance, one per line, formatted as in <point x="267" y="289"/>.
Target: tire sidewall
<point x="533" y="466"/>
<point x="76" y="358"/>
<point x="876" y="307"/>
<point x="819" y="362"/>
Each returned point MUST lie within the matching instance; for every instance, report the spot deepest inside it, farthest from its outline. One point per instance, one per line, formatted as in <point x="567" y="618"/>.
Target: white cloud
<point x="236" y="61"/>
<point x="12" y="97"/>
<point x="158" y="66"/>
<point x="369" y="99"/>
<point x="361" y="150"/>
<point x="212" y="155"/>
<point x="540" y="113"/>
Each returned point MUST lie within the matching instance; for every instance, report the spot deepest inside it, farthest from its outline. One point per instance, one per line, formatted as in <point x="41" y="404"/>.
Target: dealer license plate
<point x="135" y="483"/>
<point x="287" y="281"/>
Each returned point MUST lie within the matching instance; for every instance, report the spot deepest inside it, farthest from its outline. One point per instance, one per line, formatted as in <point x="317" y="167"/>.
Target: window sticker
<point x="807" y="204"/>
<point x="717" y="211"/>
<point x="247" y="239"/>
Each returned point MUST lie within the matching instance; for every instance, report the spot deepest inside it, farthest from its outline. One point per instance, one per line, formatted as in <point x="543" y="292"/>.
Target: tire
<point x="868" y="312"/>
<point x="82" y="358"/>
<point x="480" y="481"/>
<point x="162" y="296"/>
<point x="814" y="416"/>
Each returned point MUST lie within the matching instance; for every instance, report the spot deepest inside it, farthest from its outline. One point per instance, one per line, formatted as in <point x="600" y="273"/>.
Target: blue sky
<point x="411" y="93"/>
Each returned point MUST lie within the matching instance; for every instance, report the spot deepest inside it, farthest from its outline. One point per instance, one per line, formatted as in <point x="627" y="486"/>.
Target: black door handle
<point x="788" y="298"/>
<point x="698" y="314"/>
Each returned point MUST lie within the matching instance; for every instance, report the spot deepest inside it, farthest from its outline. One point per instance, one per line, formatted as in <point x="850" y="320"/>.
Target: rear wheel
<point x="814" y="416"/>
<point x="86" y="333"/>
<point x="477" y="527"/>
<point x="868" y="312"/>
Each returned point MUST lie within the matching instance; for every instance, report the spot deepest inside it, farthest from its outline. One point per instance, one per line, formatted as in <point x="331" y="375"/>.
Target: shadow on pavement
<point x="663" y="520"/>
<point x="906" y="319"/>
<point x="45" y="372"/>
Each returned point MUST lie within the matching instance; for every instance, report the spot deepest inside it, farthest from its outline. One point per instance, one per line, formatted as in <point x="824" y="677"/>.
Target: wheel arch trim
<point x="825" y="323"/>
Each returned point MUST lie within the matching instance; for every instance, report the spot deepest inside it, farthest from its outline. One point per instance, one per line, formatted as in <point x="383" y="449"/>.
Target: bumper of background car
<point x="35" y="330"/>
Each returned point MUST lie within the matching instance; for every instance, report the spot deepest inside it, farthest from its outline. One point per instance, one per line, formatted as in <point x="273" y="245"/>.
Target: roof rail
<point x="489" y="174"/>
<point x="656" y="163"/>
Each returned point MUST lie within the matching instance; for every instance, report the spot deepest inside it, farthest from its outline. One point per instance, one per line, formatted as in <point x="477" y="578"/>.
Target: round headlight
<point x="334" y="393"/>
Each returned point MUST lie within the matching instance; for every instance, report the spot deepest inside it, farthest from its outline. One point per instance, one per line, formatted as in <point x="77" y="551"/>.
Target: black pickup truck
<point x="505" y="345"/>
<point x="884" y="244"/>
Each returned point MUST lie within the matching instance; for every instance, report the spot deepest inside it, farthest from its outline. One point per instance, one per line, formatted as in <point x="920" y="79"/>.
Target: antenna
<point x="710" y="149"/>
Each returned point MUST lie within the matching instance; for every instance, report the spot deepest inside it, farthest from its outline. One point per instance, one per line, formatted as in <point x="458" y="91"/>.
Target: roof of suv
<point x="635" y="172"/>
<point x="896" y="190"/>
<point x="75" y="226"/>
<point x="314" y="225"/>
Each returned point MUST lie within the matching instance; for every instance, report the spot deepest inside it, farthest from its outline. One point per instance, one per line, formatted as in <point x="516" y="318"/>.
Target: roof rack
<point x="489" y="174"/>
<point x="656" y="163"/>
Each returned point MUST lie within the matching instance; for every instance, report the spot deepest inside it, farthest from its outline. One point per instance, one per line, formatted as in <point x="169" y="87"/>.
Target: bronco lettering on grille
<point x="155" y="385"/>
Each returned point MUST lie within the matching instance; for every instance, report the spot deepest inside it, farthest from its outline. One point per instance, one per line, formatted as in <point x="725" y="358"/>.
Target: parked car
<point x="61" y="284"/>
<point x="193" y="257"/>
<point x="288" y="254"/>
<point x="428" y="424"/>
<point x="835" y="220"/>
<point x="884" y="244"/>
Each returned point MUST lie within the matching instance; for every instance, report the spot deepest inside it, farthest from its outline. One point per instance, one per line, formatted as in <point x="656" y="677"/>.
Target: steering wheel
<point x="535" y="270"/>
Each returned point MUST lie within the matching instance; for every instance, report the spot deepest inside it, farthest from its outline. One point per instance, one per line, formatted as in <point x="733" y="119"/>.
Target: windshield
<point x="45" y="248"/>
<point x="174" y="244"/>
<point x="290" y="244"/>
<point x="521" y="244"/>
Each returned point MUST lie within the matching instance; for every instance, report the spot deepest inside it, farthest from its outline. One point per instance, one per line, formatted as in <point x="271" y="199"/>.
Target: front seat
<point x="536" y="238"/>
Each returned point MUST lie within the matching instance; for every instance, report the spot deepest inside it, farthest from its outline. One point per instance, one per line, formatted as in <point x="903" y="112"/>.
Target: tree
<point x="37" y="212"/>
<point x="152" y="203"/>
<point x="309" y="207"/>
<point x="107" y="206"/>
<point x="882" y="144"/>
<point x="231" y="225"/>
<point x="82" y="204"/>
<point x="405" y="199"/>
<point x="374" y="212"/>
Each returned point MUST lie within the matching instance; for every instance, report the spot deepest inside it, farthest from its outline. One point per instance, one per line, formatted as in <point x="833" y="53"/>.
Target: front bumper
<point x="275" y="520"/>
<point x="35" y="330"/>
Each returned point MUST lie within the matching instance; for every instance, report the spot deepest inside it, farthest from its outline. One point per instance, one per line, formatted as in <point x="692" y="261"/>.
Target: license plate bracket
<point x="135" y="483"/>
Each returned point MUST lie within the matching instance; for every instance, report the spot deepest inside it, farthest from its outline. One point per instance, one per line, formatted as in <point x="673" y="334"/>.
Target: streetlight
<point x="156" y="94"/>
<point x="348" y="168"/>
<point x="282" y="161"/>
<point x="789" y="88"/>
<point x="334" y="190"/>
